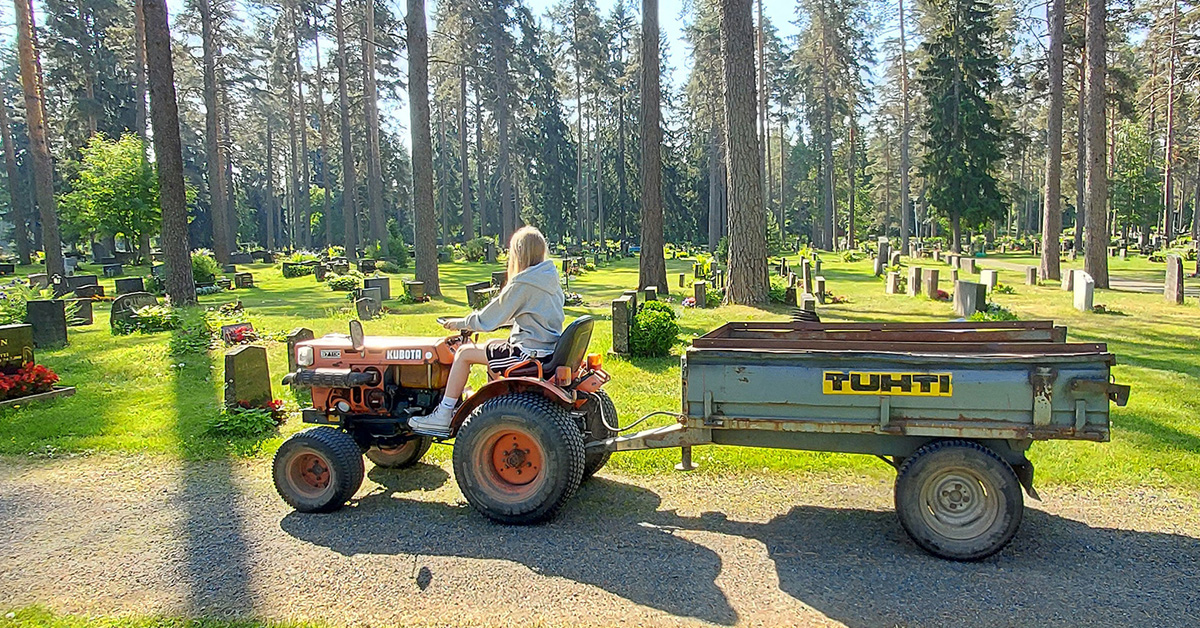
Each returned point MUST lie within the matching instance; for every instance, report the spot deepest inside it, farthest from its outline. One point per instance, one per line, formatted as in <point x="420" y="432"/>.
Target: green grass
<point x="135" y="398"/>
<point x="35" y="617"/>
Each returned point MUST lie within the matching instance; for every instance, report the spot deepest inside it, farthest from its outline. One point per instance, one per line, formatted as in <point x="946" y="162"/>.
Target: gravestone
<point x="415" y="289"/>
<point x="622" y="320"/>
<point x="489" y="252"/>
<point x="83" y="312"/>
<point x="499" y="278"/>
<point x="893" y="283"/>
<point x="294" y="337"/>
<point x="383" y="283"/>
<point x="808" y="302"/>
<point x="878" y="267"/>
<point x="319" y="272"/>
<point x="895" y="259"/>
<point x="914" y="281"/>
<point x="49" y="320"/>
<point x="929" y="282"/>
<point x="817" y="265"/>
<point x="8" y="269"/>
<point x="158" y="270"/>
<point x="243" y="280"/>
<point x="1124" y="254"/>
<point x="953" y="275"/>
<point x="698" y="270"/>
<point x="989" y="278"/>
<point x="650" y="293"/>
<point x="1031" y="275"/>
<point x="806" y="273"/>
<point x="130" y="284"/>
<point x="229" y="269"/>
<point x="882" y="255"/>
<point x="1173" y="289"/>
<point x="70" y="264"/>
<point x="38" y="281"/>
<point x="967" y="265"/>
<point x="1085" y="289"/>
<point x="1074" y="254"/>
<point x="113" y="270"/>
<point x="370" y="293"/>
<point x="789" y="295"/>
<point x="937" y="255"/>
<point x="124" y="306"/>
<point x="700" y="293"/>
<point x="100" y="253"/>
<point x="819" y="289"/>
<point x="340" y="266"/>
<point x="224" y="283"/>
<point x="966" y="298"/>
<point x="262" y="256"/>
<point x="247" y="377"/>
<point x="473" y="290"/>
<point x="366" y="266"/>
<point x="16" y="345"/>
<point x="240" y="258"/>
<point x="1068" y="279"/>
<point x="367" y="308"/>
<point x="88" y="291"/>
<point x="791" y="280"/>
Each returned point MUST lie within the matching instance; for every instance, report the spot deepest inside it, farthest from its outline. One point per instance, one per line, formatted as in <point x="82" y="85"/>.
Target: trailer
<point x="954" y="407"/>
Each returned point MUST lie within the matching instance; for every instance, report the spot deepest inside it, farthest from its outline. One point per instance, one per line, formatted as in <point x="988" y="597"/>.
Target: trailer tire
<point x="518" y="458"/>
<point x="958" y="500"/>
<point x="318" y="469"/>
<point x="401" y="457"/>
<point x="600" y="402"/>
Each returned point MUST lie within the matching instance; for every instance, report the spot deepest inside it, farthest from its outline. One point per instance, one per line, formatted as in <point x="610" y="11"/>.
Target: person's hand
<point x="453" y="324"/>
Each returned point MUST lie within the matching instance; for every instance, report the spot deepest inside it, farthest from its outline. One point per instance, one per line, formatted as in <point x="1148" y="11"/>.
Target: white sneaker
<point x="436" y="423"/>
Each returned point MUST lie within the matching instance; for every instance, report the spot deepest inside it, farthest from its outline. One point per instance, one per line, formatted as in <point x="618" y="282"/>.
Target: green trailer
<point x="954" y="407"/>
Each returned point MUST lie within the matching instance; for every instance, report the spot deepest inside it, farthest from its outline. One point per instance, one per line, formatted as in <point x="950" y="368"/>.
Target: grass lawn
<point x="134" y="396"/>
<point x="40" y="618"/>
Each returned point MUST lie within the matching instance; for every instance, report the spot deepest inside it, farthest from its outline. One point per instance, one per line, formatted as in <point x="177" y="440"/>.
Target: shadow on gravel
<point x="600" y="539"/>
<point x="859" y="568"/>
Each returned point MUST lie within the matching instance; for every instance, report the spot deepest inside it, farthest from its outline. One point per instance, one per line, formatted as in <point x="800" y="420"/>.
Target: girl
<point x="532" y="302"/>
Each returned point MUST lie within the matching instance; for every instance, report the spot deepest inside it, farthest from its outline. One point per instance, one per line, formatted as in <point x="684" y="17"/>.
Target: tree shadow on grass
<point x="599" y="539"/>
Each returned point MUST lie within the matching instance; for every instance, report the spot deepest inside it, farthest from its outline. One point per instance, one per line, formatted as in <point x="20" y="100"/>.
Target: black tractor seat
<point x="571" y="349"/>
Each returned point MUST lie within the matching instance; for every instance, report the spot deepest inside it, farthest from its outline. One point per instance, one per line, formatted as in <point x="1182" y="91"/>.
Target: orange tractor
<point x="518" y="440"/>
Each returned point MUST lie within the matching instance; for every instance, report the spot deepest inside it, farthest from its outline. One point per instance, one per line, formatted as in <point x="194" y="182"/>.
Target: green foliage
<point x="297" y="257"/>
<point x="1003" y="288"/>
<point x="775" y="245"/>
<point x="713" y="297"/>
<point x="475" y="250"/>
<point x="243" y="423"/>
<point x="1136" y="190"/>
<point x="387" y="266"/>
<point x="994" y="312"/>
<point x="150" y="319"/>
<point x="345" y="283"/>
<point x="114" y="192"/>
<point x="778" y="290"/>
<point x="655" y="330"/>
<point x="296" y="270"/>
<point x="397" y="249"/>
<point x="852" y="256"/>
<point x="204" y="266"/>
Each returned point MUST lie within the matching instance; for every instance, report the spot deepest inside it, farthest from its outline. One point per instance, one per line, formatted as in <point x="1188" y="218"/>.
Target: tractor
<point x="518" y="441"/>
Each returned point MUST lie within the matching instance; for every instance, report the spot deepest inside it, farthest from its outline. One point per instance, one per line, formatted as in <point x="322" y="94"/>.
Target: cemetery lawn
<point x="35" y="617"/>
<point x="136" y="397"/>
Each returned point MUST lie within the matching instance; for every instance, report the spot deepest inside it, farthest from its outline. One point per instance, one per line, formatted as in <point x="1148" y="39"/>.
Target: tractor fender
<point x="508" y="385"/>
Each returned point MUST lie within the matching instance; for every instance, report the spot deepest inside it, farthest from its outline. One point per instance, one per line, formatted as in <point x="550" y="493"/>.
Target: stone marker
<point x="895" y="259"/>
<point x="808" y="302"/>
<point x="49" y="320"/>
<point x="1085" y="288"/>
<point x="700" y="292"/>
<point x="16" y="345"/>
<point x="967" y="265"/>
<point x="966" y="298"/>
<point x="929" y="281"/>
<point x="817" y="265"/>
<point x="473" y="290"/>
<point x="383" y="283"/>
<point x="1031" y="275"/>
<point x="682" y="278"/>
<point x="224" y="282"/>
<point x="367" y="308"/>
<point x="247" y="377"/>
<point x="243" y="280"/>
<point x="75" y="281"/>
<point x="124" y="306"/>
<point x="878" y="268"/>
<point x="294" y="337"/>
<point x="371" y="293"/>
<point x="489" y="252"/>
<point x="113" y="270"/>
<point x="1124" y="254"/>
<point x="789" y="296"/>
<point x="953" y="275"/>
<point x="650" y="293"/>
<point x="622" y="320"/>
<point x="882" y="255"/>
<point x="1068" y="279"/>
<point x="366" y="266"/>
<point x="806" y="274"/>
<point x="38" y="281"/>
<point x="8" y="269"/>
<point x="914" y="281"/>
<point x="70" y="264"/>
<point x="819" y="289"/>
<point x="240" y="258"/>
<point x="319" y="272"/>
<point x="499" y="278"/>
<point x="633" y="298"/>
<point x="989" y="278"/>
<point x="893" y="283"/>
<point x="1173" y="289"/>
<point x="130" y="284"/>
<point x="83" y="312"/>
<point x="89" y="291"/>
<point x="415" y="289"/>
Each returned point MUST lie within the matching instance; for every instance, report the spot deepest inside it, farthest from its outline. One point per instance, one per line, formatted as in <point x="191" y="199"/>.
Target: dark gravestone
<point x="112" y="270"/>
<point x="70" y="264"/>
<point x="88" y="291"/>
<point x="808" y="302"/>
<point x="650" y="293"/>
<point x="8" y="269"/>
<point x="489" y="252"/>
<point x="130" y="284"/>
<point x="383" y="283"/>
<point x="100" y="253"/>
<point x="37" y="281"/>
<point x="75" y="281"/>
<point x="247" y="377"/>
<point x="263" y="256"/>
<point x="16" y="345"/>
<point x="367" y="308"/>
<point x="124" y="306"/>
<point x="1173" y="288"/>
<point x="224" y="282"/>
<point x="339" y="267"/>
<point x="499" y="278"/>
<point x="789" y="295"/>
<point x="366" y="265"/>
<point x="700" y="295"/>
<point x="882" y="254"/>
<point x="445" y="257"/>
<point x="49" y="320"/>
<point x="295" y="337"/>
<point x="914" y="281"/>
<point x="243" y="280"/>
<point x="370" y="293"/>
<point x="82" y="314"/>
<point x="158" y="270"/>
<point x="819" y="287"/>
<point x="1031" y="275"/>
<point x="319" y="271"/>
<point x="622" y="321"/>
<point x="473" y="293"/>
<point x="229" y="268"/>
<point x="240" y="258"/>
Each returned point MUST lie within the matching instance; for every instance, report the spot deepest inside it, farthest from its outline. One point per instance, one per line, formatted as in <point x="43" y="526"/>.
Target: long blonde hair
<point x="526" y="248"/>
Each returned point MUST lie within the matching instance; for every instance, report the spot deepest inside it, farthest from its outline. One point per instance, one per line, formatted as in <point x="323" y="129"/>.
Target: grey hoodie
<point x="533" y="302"/>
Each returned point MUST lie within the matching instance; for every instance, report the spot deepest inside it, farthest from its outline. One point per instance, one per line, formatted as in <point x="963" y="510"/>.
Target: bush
<point x="13" y="299"/>
<point x="204" y="266"/>
<point x="151" y="319"/>
<point x="209" y="290"/>
<point x="654" y="330"/>
<point x="994" y="312"/>
<point x="851" y="256"/>
<point x="345" y="283"/>
<point x="475" y="250"/>
<point x="291" y="270"/>
<point x="247" y="423"/>
<point x="298" y="257"/>
<point x="386" y="266"/>
<point x="778" y="290"/>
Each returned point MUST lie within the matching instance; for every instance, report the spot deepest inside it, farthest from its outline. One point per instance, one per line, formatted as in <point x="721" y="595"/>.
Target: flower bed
<point x="31" y="382"/>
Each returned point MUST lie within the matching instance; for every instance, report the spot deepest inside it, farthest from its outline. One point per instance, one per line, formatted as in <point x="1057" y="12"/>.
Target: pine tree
<point x="652" y="266"/>
<point x="424" y="218"/>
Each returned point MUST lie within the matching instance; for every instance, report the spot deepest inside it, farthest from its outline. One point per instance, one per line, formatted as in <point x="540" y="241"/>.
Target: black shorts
<point x="502" y="356"/>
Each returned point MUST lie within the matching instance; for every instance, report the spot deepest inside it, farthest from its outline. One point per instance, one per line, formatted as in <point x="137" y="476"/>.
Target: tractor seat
<point x="571" y="349"/>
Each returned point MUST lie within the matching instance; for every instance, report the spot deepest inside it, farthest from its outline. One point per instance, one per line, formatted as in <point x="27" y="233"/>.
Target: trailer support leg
<point x="685" y="464"/>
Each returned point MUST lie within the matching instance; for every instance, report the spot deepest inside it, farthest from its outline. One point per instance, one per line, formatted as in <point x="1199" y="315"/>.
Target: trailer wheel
<point x="600" y="402"/>
<point x="958" y="500"/>
<point x="518" y="458"/>
<point x="318" y="469"/>
<point x="401" y="457"/>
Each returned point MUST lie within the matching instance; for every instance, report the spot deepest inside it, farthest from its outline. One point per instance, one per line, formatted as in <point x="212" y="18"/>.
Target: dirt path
<point x="103" y="535"/>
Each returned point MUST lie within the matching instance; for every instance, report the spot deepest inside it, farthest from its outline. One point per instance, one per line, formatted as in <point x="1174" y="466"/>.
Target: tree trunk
<point x="906" y="226"/>
<point x="1080" y="157"/>
<point x="1096" y="236"/>
<point x="371" y="111"/>
<point x="1169" y="145"/>
<point x="747" y="216"/>
<point x="168" y="155"/>
<point x="272" y="212"/>
<point x="599" y="184"/>
<point x="1052" y="219"/>
<point x="139" y="70"/>
<point x="1196" y="208"/>
<point x="782" y="175"/>
<point x="39" y="149"/>
<point x="508" y="220"/>
<point x="20" y="228"/>
<point x="581" y="146"/>
<point x="850" y="181"/>
<point x="443" y="182"/>
<point x="424" y="221"/>
<point x="829" y="223"/>
<point x="293" y="169"/>
<point x="622" y="182"/>
<point x="487" y="225"/>
<point x="349" y="179"/>
<point x="652" y="267"/>
<point x="468" y="222"/>
<point x="230" y="194"/>
<point x="323" y="120"/>
<point x="714" y="189"/>
<point x="762" y="100"/>
<point x="303" y="184"/>
<point x="214" y="162"/>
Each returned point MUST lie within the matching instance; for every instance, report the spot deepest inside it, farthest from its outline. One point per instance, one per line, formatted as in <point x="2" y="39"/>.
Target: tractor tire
<point x="401" y="457"/>
<point x="600" y="402"/>
<point x="958" y="500"/>
<point x="518" y="458"/>
<point x="318" y="470"/>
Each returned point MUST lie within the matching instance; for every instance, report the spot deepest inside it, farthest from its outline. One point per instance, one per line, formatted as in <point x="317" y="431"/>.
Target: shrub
<point x="345" y="283"/>
<point x="851" y="256"/>
<point x="302" y="256"/>
<point x="387" y="266"/>
<point x="778" y="290"/>
<point x="13" y="299"/>
<point x="204" y="266"/>
<point x="654" y="331"/>
<point x="150" y="319"/>
<point x="475" y="250"/>
<point x="1003" y="288"/>
<point x="209" y="290"/>
<point x="154" y="285"/>
<point x="291" y="270"/>
<point x="242" y="422"/>
<point x="994" y="312"/>
<point x="713" y="297"/>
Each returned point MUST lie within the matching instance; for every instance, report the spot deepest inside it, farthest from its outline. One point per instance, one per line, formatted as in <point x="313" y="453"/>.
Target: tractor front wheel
<point x="518" y="458"/>
<point x="401" y="457"/>
<point x="318" y="470"/>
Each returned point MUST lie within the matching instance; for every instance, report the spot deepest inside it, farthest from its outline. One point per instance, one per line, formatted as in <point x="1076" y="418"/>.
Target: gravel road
<point x="144" y="535"/>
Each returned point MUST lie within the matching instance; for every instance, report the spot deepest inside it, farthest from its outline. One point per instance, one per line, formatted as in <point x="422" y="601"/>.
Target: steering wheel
<point x="463" y="334"/>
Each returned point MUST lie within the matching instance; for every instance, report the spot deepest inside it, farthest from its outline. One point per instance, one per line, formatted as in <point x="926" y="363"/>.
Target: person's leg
<point x="437" y="423"/>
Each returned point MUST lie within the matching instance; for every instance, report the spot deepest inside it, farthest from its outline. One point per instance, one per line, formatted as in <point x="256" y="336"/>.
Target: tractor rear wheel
<point x="401" y="457"/>
<point x="518" y="458"/>
<point x="318" y="470"/>
<point x="601" y="415"/>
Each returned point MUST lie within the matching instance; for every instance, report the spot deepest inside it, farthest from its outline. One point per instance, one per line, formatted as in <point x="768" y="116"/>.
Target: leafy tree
<point x="115" y="191"/>
<point x="1137" y="183"/>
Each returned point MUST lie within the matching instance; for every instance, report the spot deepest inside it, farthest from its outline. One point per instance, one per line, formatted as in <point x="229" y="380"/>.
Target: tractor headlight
<point x="304" y="356"/>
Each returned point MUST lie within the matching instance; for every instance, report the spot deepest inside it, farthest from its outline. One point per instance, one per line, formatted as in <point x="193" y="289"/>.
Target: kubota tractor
<point x="518" y="440"/>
